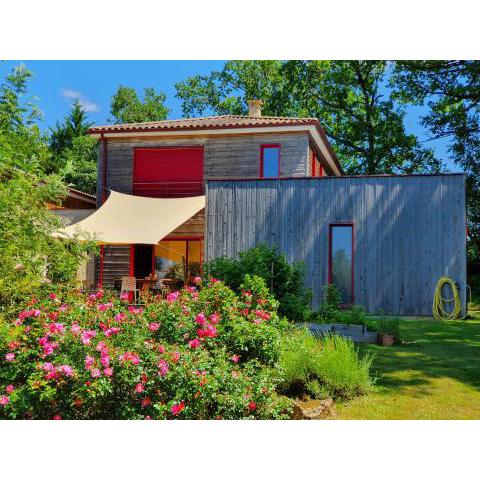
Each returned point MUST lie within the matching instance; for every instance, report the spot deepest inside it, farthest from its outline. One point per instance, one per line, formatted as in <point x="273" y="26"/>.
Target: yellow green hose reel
<point x="440" y="302"/>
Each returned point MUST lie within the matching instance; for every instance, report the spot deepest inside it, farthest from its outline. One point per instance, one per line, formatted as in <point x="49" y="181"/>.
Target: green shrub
<point x="327" y="367"/>
<point x="201" y="353"/>
<point x="284" y="280"/>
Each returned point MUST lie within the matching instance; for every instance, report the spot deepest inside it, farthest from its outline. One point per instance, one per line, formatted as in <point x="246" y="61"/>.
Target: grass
<point x="435" y="374"/>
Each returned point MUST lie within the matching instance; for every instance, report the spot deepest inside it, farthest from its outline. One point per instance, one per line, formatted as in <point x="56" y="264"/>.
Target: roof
<point x="219" y="122"/>
<point x="222" y="121"/>
<point x="83" y="194"/>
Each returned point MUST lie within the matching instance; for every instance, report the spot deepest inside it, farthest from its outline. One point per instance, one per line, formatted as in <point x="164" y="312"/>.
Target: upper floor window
<point x="270" y="161"/>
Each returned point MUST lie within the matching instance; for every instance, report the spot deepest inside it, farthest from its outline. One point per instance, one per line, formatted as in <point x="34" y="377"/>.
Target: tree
<point x="451" y="92"/>
<point x="74" y="154"/>
<point x="74" y="125"/>
<point x="21" y="144"/>
<point x="127" y="107"/>
<point x="350" y="98"/>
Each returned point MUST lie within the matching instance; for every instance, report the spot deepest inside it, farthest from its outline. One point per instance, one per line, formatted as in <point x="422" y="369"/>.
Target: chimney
<point x="254" y="108"/>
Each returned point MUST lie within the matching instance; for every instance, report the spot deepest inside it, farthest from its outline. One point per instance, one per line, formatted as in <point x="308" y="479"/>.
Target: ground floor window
<point x="178" y="260"/>
<point x="341" y="260"/>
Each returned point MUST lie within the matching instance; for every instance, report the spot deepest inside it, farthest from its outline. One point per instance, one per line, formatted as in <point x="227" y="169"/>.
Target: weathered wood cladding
<point x="116" y="264"/>
<point x="409" y="231"/>
<point x="224" y="156"/>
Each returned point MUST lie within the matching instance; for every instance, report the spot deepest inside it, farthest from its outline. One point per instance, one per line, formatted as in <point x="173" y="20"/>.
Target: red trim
<point x="153" y="259"/>
<point x="132" y="260"/>
<point x="102" y="253"/>
<point x="330" y="228"/>
<point x="322" y="171"/>
<point x="104" y="178"/>
<point x="270" y="145"/>
<point x="172" y="239"/>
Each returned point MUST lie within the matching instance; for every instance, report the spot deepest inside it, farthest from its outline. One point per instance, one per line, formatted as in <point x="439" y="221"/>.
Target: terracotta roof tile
<point x="224" y="121"/>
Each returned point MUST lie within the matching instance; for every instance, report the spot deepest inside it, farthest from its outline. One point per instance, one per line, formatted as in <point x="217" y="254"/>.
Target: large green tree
<point x="128" y="107"/>
<point x="351" y="99"/>
<point x="450" y="90"/>
<point x="74" y="154"/>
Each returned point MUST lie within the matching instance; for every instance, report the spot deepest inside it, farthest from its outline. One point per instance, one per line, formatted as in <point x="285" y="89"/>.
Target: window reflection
<point x="341" y="260"/>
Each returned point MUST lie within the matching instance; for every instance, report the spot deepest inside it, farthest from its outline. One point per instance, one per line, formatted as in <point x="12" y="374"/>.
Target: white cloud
<point x="85" y="103"/>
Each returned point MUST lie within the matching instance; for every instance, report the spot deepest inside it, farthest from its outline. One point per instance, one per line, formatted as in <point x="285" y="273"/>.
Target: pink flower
<point x="100" y="346"/>
<point x="57" y="417"/>
<point x="76" y="329"/>
<point x="124" y="297"/>
<point x="252" y="406"/>
<point x="63" y="308"/>
<point x="139" y="388"/>
<point x="194" y="343"/>
<point x="162" y="368"/>
<point x="135" y="310"/>
<point x="99" y="294"/>
<point x="102" y="307"/>
<point x="197" y="280"/>
<point x="67" y="370"/>
<point x="175" y="357"/>
<point x="37" y="313"/>
<point x="214" y="318"/>
<point x="200" y="319"/>
<point x="235" y="358"/>
<point x="108" y="371"/>
<point x="89" y="361"/>
<point x="146" y="402"/>
<point x="10" y="357"/>
<point x="214" y="280"/>
<point x="4" y="400"/>
<point x="191" y="289"/>
<point x="105" y="360"/>
<point x="47" y="367"/>
<point x="52" y="296"/>
<point x="51" y="375"/>
<point x="56" y="328"/>
<point x="130" y="357"/>
<point x="177" y="408"/>
<point x="95" y="372"/>
<point x="87" y="336"/>
<point x="161" y="349"/>
<point x="111" y="331"/>
<point x="9" y="388"/>
<point x="171" y="297"/>
<point x="153" y="327"/>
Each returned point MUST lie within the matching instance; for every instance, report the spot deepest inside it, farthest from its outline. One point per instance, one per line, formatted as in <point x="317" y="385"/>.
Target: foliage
<point x="74" y="154"/>
<point x="21" y="144"/>
<point x="128" y="107"/>
<point x="284" y="280"/>
<point x="200" y="353"/>
<point x="451" y="91"/>
<point x="29" y="255"/>
<point x="327" y="367"/>
<point x="363" y="122"/>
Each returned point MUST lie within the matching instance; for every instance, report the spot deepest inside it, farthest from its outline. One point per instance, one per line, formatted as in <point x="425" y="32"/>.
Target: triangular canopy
<point x="128" y="219"/>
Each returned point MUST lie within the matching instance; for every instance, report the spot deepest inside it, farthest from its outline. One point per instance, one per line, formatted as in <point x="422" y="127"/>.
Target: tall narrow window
<point x="270" y="161"/>
<point x="341" y="261"/>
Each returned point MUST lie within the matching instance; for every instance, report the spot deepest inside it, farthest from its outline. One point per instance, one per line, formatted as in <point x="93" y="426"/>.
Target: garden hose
<point x="439" y="302"/>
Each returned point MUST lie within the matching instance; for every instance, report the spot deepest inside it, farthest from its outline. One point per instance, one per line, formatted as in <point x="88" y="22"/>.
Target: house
<point x="383" y="240"/>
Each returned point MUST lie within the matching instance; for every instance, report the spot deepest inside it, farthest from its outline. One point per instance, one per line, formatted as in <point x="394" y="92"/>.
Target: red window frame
<point x="270" y="145"/>
<point x="330" y="229"/>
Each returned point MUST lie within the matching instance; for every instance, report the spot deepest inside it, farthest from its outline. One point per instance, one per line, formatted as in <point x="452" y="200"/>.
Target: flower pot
<point x="386" y="340"/>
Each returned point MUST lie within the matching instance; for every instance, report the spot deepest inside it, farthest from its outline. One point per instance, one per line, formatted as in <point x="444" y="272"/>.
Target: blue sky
<point x="57" y="83"/>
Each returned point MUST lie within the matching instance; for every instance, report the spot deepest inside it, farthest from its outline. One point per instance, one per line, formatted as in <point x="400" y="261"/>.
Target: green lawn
<point x="435" y="374"/>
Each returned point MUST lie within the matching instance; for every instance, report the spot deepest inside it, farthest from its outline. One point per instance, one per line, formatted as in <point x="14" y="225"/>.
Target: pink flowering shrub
<point x="202" y="353"/>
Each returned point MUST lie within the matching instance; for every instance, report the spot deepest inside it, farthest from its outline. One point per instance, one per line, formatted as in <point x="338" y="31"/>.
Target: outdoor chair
<point x="129" y="284"/>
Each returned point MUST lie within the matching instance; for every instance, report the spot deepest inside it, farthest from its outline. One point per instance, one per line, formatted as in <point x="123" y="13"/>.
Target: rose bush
<point x="203" y="352"/>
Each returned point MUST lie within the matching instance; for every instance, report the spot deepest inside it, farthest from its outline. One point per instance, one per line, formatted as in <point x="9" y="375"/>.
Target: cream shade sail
<point x="128" y="219"/>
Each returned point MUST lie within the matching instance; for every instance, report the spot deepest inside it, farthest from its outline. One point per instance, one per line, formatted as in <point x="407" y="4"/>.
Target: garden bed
<point x="356" y="333"/>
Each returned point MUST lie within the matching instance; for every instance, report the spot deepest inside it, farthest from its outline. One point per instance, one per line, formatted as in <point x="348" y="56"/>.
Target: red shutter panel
<point x="168" y="172"/>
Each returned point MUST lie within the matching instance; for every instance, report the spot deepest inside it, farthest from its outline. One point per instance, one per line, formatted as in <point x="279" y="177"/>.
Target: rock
<point x="313" y="409"/>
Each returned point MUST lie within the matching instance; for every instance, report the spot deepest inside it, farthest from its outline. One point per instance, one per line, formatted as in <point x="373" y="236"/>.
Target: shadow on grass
<point x="430" y="349"/>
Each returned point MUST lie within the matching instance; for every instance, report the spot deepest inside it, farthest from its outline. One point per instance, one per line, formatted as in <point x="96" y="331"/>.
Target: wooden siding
<point x="193" y="227"/>
<point x="225" y="157"/>
<point x="116" y="264"/>
<point x="409" y="231"/>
